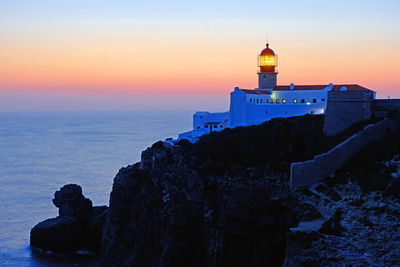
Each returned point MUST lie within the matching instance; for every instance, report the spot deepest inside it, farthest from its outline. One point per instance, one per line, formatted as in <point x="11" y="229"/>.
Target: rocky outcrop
<point x="360" y="213"/>
<point x="70" y="202"/>
<point x="78" y="226"/>
<point x="225" y="201"/>
<point x="167" y="212"/>
<point x="361" y="229"/>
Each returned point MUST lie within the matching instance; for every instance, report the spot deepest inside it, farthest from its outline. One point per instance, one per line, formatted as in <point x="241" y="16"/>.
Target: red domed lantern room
<point x="267" y="60"/>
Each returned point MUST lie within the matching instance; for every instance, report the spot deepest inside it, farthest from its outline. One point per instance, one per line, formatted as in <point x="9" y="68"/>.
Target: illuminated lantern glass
<point x="267" y="61"/>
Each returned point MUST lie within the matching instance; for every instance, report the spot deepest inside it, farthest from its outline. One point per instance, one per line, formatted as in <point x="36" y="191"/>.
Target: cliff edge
<point x="225" y="201"/>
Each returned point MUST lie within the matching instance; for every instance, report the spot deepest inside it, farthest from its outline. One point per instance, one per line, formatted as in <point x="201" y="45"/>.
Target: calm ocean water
<point x="41" y="151"/>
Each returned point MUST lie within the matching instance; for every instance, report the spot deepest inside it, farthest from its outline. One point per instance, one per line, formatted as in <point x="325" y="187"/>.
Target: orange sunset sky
<point x="90" y="55"/>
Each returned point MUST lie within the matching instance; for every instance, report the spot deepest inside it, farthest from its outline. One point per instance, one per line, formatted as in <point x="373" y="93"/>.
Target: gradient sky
<point x="98" y="54"/>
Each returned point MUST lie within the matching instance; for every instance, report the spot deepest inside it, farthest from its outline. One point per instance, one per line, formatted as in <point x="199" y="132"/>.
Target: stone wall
<point x="306" y="173"/>
<point x="346" y="108"/>
<point x="381" y="107"/>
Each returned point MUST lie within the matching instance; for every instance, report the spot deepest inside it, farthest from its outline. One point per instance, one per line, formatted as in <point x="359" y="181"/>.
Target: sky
<point x="168" y="55"/>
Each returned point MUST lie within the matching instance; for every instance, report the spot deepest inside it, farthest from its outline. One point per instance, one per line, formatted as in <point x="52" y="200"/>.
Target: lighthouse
<point x="252" y="106"/>
<point x="267" y="61"/>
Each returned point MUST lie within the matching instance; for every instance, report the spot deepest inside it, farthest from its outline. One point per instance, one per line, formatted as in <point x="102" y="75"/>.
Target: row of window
<point x="277" y="101"/>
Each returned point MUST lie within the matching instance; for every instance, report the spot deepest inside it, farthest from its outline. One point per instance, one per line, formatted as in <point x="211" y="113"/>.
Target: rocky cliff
<point x="224" y="201"/>
<point x="164" y="212"/>
<point x="214" y="203"/>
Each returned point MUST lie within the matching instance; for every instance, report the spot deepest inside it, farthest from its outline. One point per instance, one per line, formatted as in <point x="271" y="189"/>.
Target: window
<point x="314" y="100"/>
<point x="220" y="126"/>
<point x="277" y="101"/>
<point x="257" y="101"/>
<point x="206" y="126"/>
<point x="295" y="100"/>
<point x="198" y="127"/>
<point x="323" y="99"/>
<point x="284" y="101"/>
<point x="267" y="100"/>
<point x="302" y="101"/>
<point x="263" y="76"/>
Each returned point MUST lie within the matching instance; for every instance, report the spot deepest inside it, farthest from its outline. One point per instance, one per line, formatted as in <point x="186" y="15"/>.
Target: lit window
<point x="314" y="100"/>
<point x="302" y="101"/>
<point x="284" y="101"/>
<point x="277" y="101"/>
<point x="295" y="101"/>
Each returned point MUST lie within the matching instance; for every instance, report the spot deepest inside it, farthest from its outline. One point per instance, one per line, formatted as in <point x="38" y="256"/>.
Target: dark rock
<point x="71" y="202"/>
<point x="306" y="212"/>
<point x="332" y="226"/>
<point x="63" y="233"/>
<point x="305" y="191"/>
<point x="303" y="238"/>
<point x="357" y="202"/>
<point x="367" y="222"/>
<point x="393" y="189"/>
<point x="167" y="212"/>
<point x="94" y="228"/>
<point x="79" y="226"/>
<point x="328" y="191"/>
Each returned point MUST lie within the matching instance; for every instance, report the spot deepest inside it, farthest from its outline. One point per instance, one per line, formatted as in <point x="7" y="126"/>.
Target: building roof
<point x="255" y="92"/>
<point x="267" y="51"/>
<point x="299" y="87"/>
<point x="350" y="87"/>
<point x="262" y="92"/>
<point x="249" y="91"/>
<point x="337" y="87"/>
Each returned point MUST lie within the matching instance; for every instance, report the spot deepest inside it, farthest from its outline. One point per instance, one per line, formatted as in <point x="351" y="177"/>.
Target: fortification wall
<point x="346" y="108"/>
<point x="381" y="107"/>
<point x="306" y="173"/>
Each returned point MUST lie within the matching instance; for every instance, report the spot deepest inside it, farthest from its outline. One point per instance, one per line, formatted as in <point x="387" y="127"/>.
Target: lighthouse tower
<point x="267" y="61"/>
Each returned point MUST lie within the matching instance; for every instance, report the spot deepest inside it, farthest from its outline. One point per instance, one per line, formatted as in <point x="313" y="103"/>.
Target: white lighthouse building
<point x="268" y="101"/>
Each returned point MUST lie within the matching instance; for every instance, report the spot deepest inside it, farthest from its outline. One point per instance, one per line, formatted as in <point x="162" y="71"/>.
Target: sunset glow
<point x="126" y="49"/>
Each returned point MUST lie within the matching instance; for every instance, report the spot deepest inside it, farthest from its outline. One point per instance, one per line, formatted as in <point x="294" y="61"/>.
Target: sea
<point x="42" y="151"/>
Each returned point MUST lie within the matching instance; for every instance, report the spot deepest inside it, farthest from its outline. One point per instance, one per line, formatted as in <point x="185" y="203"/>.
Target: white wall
<point x="237" y="116"/>
<point x="246" y="111"/>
